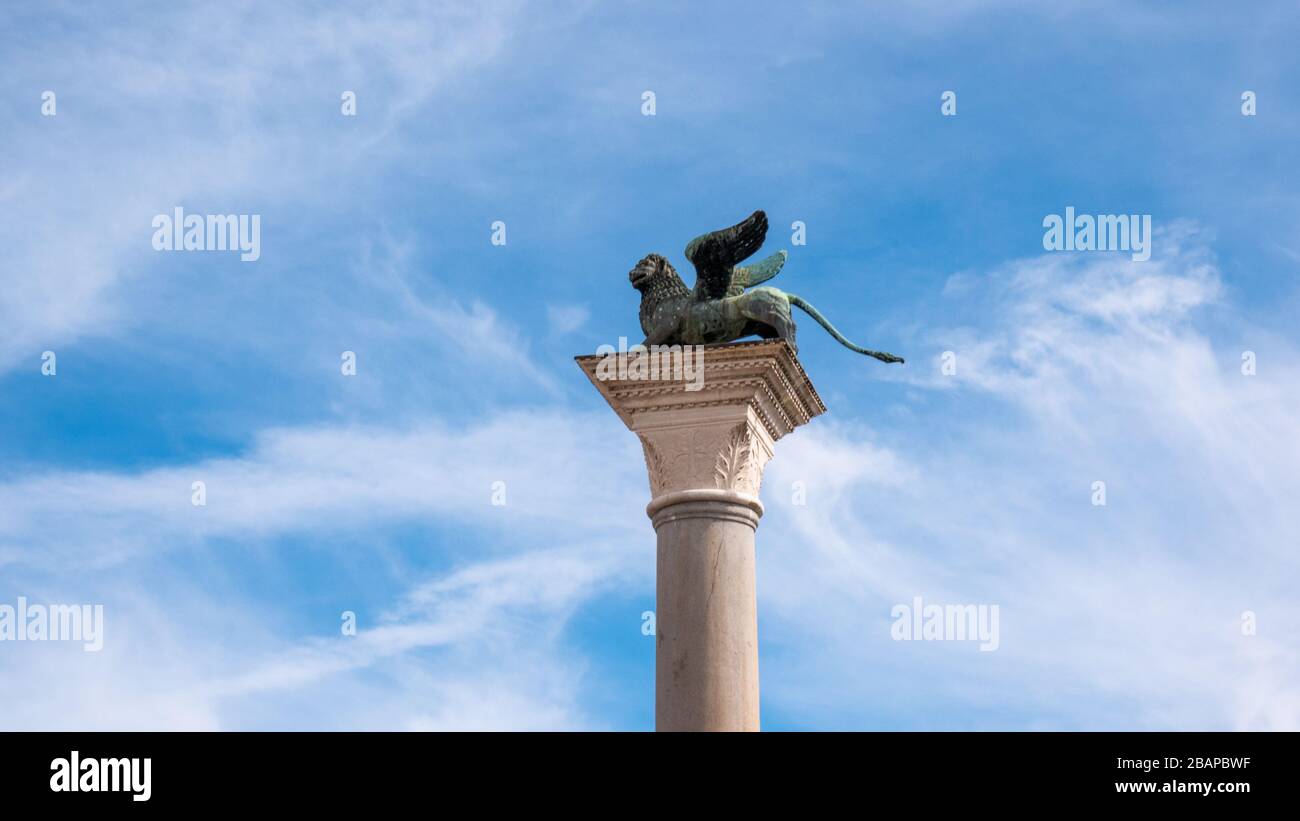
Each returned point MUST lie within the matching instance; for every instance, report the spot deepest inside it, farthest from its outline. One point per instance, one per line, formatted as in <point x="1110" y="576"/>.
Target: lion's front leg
<point x="660" y="334"/>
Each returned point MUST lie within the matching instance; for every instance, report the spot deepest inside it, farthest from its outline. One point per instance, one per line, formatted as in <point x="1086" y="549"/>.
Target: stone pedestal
<point x="706" y="444"/>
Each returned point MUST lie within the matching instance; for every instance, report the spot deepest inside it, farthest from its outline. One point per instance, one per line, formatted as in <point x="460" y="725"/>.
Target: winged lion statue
<point x="724" y="305"/>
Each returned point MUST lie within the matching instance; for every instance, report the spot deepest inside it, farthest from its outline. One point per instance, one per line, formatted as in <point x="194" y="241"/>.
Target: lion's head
<point x="647" y="270"/>
<point x="655" y="275"/>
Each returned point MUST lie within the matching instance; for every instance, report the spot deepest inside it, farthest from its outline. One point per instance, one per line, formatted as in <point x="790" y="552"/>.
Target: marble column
<point x="706" y="441"/>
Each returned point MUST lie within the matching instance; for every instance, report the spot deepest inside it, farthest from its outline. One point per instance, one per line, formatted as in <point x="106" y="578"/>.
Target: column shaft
<point x="706" y="624"/>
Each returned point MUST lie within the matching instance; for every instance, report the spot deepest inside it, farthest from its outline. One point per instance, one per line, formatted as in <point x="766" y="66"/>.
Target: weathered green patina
<point x="720" y="309"/>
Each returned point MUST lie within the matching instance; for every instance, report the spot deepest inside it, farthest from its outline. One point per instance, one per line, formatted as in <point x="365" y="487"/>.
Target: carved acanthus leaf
<point x="654" y="466"/>
<point x="735" y="461"/>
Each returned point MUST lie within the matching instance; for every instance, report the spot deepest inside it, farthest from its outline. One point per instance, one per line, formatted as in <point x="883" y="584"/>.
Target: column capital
<point x="709" y="436"/>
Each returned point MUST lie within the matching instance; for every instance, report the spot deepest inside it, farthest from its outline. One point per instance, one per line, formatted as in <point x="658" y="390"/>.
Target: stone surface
<point x="720" y="436"/>
<point x="705" y="451"/>
<point x="706" y="618"/>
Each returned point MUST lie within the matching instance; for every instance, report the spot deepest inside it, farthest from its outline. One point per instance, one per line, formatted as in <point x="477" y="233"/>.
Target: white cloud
<point x="331" y="478"/>
<point x="474" y="658"/>
<point x="184" y="105"/>
<point x="1117" y="617"/>
<point x="565" y="319"/>
<point x="481" y="643"/>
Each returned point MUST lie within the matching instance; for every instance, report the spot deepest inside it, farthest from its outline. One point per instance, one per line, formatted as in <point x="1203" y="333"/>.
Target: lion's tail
<point x="839" y="337"/>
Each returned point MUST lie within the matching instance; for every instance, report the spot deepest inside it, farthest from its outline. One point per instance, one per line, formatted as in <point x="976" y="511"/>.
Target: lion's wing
<point x="714" y="255"/>
<point x="751" y="275"/>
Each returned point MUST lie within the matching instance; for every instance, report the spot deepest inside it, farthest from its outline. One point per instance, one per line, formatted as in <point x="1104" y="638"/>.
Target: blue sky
<point x="924" y="234"/>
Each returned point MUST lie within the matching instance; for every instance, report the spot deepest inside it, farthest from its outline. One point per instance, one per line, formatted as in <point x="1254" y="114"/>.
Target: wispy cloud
<point x="1127" y="615"/>
<point x="177" y="105"/>
<point x="568" y="532"/>
<point x="565" y="319"/>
